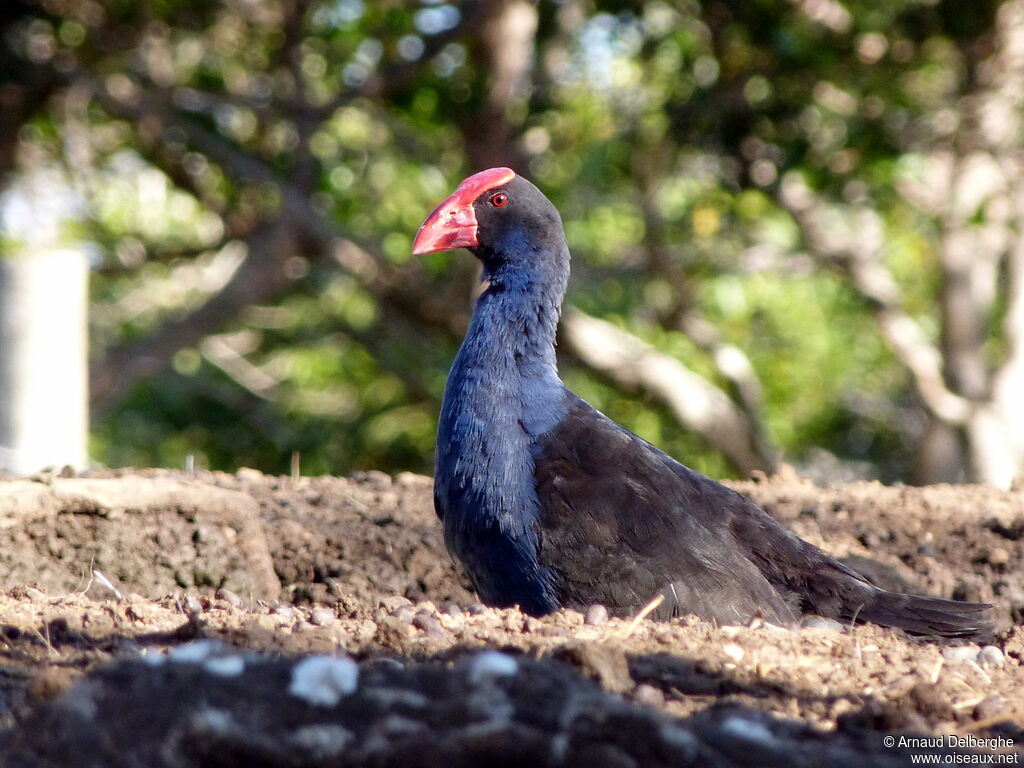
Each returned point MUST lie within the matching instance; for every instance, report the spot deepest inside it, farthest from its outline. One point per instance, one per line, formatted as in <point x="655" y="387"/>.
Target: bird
<point x="548" y="504"/>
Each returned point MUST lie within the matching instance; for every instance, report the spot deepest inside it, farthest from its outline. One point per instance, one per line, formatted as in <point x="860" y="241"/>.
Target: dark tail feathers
<point x="926" y="615"/>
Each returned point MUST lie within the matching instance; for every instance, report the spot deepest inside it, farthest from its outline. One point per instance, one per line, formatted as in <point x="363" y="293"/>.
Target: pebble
<point x="408" y="479"/>
<point x="737" y="728"/>
<point x="596" y="615"/>
<point x="197" y="651"/>
<point x="34" y="594"/>
<point x="998" y="556"/>
<point x="452" y="609"/>
<point x="249" y="475"/>
<point x="325" y="741"/>
<point x="991" y="655"/>
<point x="376" y="477"/>
<point x="533" y="625"/>
<point x="192" y="606"/>
<point x="604" y="662"/>
<point x="384" y="662"/>
<point x="51" y="682"/>
<point x="648" y="695"/>
<point x="402" y="613"/>
<point x="229" y="597"/>
<point x="961" y="654"/>
<point x="820" y="622"/>
<point x="426" y="622"/>
<point x="322" y="617"/>
<point x="225" y="666"/>
<point x="490" y="664"/>
<point x="283" y="610"/>
<point x="989" y="707"/>
<point x="323" y="680"/>
<point x="733" y="651"/>
<point x="393" y="603"/>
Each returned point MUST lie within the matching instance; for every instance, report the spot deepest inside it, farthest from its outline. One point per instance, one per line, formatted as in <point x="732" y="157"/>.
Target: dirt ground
<point x="156" y="618"/>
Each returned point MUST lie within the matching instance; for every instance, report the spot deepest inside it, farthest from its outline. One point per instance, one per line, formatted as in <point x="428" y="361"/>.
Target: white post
<point x="43" y="328"/>
<point x="43" y="360"/>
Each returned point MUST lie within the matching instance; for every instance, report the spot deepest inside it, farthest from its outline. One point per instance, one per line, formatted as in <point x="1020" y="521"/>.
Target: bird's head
<point x="503" y="219"/>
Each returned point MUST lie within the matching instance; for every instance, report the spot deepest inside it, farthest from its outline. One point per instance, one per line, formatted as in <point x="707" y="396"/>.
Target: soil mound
<point x="162" y="618"/>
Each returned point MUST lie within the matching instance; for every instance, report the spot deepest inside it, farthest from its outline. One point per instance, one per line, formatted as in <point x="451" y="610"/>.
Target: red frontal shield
<point x="453" y="223"/>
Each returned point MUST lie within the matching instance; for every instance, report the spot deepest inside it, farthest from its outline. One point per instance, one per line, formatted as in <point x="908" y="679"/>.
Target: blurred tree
<point x="766" y="246"/>
<point x="922" y="132"/>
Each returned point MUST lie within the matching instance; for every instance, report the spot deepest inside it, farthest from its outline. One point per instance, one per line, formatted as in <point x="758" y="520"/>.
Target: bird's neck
<point x="514" y="326"/>
<point x="518" y="320"/>
<point x="506" y="368"/>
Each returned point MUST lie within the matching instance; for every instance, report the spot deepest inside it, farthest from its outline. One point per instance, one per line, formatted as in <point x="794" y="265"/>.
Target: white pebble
<point x="322" y="617"/>
<point x="193" y="653"/>
<point x="733" y="651"/>
<point x="492" y="664"/>
<point x="323" y="680"/>
<point x="820" y="622"/>
<point x="596" y="615"/>
<point x="747" y="730"/>
<point x="225" y="666"/>
<point x="153" y="658"/>
<point x="991" y="655"/>
<point x="648" y="695"/>
<point x="961" y="654"/>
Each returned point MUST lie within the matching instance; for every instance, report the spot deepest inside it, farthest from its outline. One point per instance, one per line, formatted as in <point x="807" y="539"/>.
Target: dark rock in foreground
<point x="206" y="705"/>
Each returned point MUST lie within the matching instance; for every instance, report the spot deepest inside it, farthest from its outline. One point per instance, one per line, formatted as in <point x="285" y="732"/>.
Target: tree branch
<point x="731" y="362"/>
<point x="855" y="249"/>
<point x="632" y="364"/>
<point x="259" y="278"/>
<point x="223" y="352"/>
<point x="733" y="365"/>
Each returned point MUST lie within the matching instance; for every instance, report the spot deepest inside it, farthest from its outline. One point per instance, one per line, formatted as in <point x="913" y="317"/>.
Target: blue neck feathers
<point x="503" y="392"/>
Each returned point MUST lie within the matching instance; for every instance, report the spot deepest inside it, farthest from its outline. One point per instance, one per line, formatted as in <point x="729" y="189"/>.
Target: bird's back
<point x="621" y="522"/>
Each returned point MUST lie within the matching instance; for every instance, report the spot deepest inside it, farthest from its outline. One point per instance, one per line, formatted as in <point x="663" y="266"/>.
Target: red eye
<point x="499" y="200"/>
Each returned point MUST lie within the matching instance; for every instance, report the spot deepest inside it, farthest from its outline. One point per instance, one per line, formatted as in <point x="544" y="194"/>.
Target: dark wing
<point x="621" y="522"/>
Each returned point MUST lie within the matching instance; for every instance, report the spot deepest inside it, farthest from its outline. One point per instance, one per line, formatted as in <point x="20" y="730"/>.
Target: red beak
<point x="453" y="223"/>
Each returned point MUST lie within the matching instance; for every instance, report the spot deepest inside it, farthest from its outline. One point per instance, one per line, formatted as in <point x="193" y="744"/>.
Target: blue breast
<point x="497" y="402"/>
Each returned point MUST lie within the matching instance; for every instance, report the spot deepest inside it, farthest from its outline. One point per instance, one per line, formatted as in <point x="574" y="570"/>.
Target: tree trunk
<point x="941" y="455"/>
